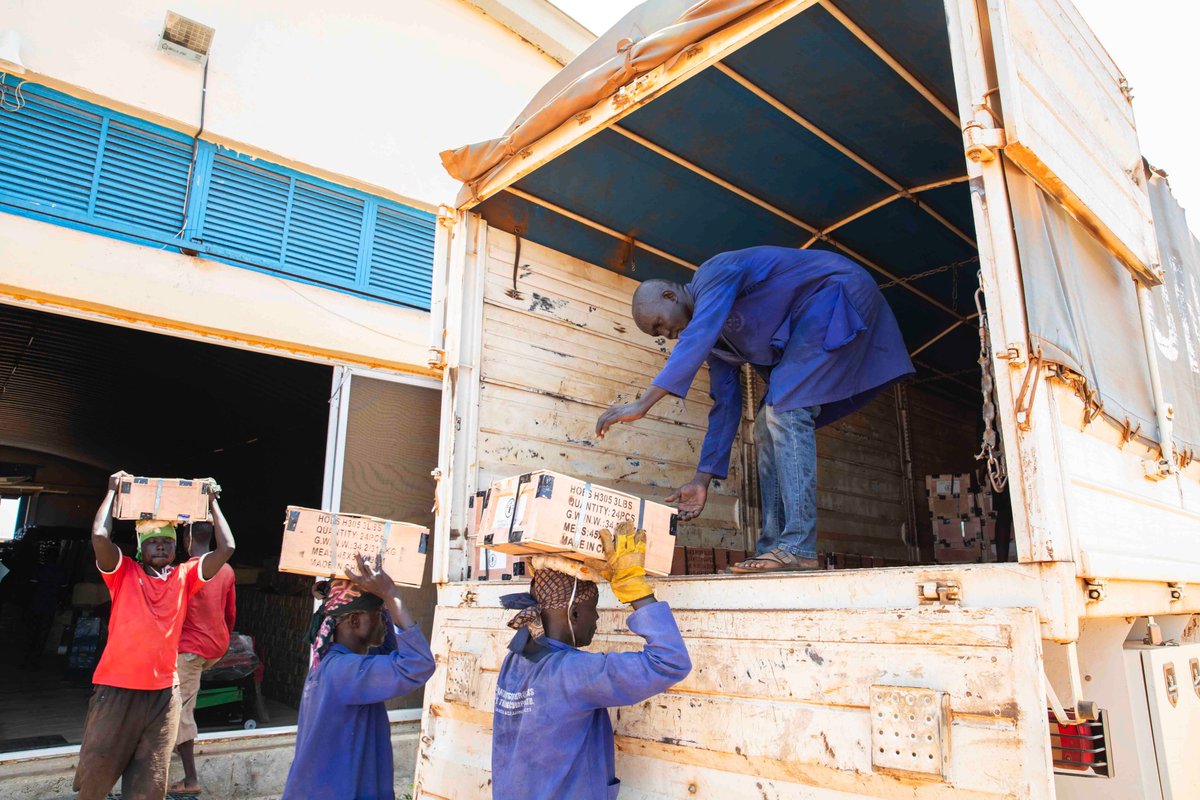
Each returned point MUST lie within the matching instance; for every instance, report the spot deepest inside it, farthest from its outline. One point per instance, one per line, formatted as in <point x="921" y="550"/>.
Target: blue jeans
<point x="787" y="479"/>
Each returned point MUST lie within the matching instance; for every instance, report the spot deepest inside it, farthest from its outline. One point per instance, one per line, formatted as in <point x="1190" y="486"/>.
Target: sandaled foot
<point x="185" y="789"/>
<point x="774" y="561"/>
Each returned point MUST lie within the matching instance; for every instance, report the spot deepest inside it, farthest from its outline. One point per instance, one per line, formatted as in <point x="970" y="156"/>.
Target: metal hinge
<point x="447" y="216"/>
<point x="1014" y="354"/>
<point x="949" y="592"/>
<point x="1157" y="469"/>
<point x="982" y="143"/>
<point x="1094" y="590"/>
<point x="437" y="358"/>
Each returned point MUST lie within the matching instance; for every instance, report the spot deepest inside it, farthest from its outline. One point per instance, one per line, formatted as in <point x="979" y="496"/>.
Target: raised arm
<point x="406" y="663"/>
<point x="222" y="540"/>
<point x="622" y="679"/>
<point x="108" y="555"/>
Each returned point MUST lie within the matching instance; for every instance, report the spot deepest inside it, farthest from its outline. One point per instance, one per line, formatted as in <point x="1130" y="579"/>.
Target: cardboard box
<point x="323" y="544"/>
<point x="499" y="503"/>
<point x="176" y="499"/>
<point x="548" y="512"/>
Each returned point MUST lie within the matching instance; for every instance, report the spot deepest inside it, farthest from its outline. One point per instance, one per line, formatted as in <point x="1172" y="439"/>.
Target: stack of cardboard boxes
<point x="963" y="518"/>
<point x="957" y="538"/>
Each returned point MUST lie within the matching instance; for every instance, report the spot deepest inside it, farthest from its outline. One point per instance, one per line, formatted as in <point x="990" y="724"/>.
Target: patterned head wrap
<point x="549" y="589"/>
<point x="151" y="528"/>
<point x="339" y="598"/>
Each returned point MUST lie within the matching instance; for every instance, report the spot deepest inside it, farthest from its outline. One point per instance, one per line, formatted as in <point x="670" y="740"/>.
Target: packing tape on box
<point x="157" y="496"/>
<point x="587" y="498"/>
<point x="333" y="555"/>
<point x="387" y="531"/>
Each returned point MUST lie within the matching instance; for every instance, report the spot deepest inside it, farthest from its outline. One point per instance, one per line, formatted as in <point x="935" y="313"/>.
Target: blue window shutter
<point x="401" y="261"/>
<point x="246" y="209"/>
<point x="143" y="179"/>
<point x="324" y="229"/>
<point x="79" y="164"/>
<point x="48" y="154"/>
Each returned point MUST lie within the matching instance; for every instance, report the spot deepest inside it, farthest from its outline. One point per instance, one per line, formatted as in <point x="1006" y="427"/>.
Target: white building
<point x="221" y="263"/>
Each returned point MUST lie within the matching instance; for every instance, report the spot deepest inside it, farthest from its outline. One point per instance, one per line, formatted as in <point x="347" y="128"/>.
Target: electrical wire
<point x="18" y="101"/>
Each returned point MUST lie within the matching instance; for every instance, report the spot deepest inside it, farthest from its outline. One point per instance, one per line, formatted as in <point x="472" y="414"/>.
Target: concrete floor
<point x="243" y="766"/>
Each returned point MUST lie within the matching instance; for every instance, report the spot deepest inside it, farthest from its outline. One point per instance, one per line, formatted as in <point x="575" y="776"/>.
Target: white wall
<point x="370" y="90"/>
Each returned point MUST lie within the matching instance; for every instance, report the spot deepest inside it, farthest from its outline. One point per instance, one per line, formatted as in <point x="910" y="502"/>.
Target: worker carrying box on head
<point x="324" y="544"/>
<point x="548" y="512"/>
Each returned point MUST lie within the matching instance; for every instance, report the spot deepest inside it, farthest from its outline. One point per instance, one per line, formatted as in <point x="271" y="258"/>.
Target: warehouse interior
<point x="81" y="399"/>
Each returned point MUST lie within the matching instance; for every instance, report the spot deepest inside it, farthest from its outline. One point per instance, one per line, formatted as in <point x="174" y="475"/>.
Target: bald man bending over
<point x="814" y="325"/>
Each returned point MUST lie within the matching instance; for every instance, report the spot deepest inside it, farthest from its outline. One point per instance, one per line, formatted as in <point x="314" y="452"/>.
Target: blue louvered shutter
<point x="401" y="260"/>
<point x="143" y="179"/>
<point x="48" y="156"/>
<point x="324" y="234"/>
<point x="245" y="214"/>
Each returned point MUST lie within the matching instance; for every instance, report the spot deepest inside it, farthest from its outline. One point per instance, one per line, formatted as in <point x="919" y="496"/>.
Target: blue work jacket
<point x="812" y="323"/>
<point x="343" y="740"/>
<point x="551" y="735"/>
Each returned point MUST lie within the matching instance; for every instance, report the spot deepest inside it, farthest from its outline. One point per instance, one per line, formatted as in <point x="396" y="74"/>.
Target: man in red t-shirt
<point x="206" y="629"/>
<point x="134" y="710"/>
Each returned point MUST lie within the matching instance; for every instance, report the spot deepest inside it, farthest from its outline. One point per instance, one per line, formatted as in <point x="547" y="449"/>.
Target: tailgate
<point x="924" y="702"/>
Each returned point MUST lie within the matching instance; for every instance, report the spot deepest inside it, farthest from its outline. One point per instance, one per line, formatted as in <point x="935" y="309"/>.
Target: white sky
<point x="1154" y="42"/>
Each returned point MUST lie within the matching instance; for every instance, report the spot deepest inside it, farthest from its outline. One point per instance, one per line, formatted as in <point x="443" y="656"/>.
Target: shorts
<point x="189" y="666"/>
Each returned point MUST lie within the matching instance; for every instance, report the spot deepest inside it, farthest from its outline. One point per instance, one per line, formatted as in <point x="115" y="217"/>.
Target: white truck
<point x="932" y="142"/>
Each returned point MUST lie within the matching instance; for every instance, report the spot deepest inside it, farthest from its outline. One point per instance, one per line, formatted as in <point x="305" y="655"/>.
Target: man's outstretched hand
<point x="629" y="412"/>
<point x="691" y="497"/>
<point x="624" y="412"/>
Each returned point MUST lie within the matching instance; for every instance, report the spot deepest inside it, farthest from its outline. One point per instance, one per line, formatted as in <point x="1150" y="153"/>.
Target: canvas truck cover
<point x="649" y="35"/>
<point x="1083" y="309"/>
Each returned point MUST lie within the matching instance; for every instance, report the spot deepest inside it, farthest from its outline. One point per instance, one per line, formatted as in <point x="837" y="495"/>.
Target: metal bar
<point x="887" y="58"/>
<point x="597" y="226"/>
<point x="702" y="172"/>
<point x="804" y="122"/>
<point x="935" y="339"/>
<point x="633" y="95"/>
<point x="945" y="375"/>
<point x="667" y="154"/>
<point x="889" y="199"/>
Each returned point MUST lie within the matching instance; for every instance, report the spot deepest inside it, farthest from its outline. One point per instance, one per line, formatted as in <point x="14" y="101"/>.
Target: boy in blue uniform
<point x="366" y="649"/>
<point x="814" y="325"/>
<point x="551" y="735"/>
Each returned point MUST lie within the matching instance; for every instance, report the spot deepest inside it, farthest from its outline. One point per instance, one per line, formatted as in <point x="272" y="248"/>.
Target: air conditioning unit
<point x="186" y="37"/>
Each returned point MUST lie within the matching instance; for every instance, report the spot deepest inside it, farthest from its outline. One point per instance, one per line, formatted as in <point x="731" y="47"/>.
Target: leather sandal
<point x="776" y="560"/>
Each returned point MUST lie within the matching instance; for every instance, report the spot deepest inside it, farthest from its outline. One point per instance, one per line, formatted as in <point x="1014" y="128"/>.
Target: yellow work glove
<point x="625" y="552"/>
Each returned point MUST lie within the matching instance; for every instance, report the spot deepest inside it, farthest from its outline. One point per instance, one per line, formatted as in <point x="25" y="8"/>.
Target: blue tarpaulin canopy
<point x="835" y="129"/>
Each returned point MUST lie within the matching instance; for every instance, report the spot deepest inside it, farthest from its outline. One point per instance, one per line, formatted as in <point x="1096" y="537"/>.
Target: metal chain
<point x="992" y="450"/>
<point x="935" y="271"/>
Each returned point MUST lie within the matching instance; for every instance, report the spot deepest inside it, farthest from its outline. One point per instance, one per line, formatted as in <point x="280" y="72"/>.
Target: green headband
<point x="149" y="529"/>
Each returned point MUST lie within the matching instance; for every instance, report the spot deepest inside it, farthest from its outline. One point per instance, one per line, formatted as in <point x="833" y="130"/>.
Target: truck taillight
<point x="1080" y="747"/>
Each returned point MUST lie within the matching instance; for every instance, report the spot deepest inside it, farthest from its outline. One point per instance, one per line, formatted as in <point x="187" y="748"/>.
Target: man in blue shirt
<point x="366" y="650"/>
<point x="551" y="735"/>
<point x="814" y="325"/>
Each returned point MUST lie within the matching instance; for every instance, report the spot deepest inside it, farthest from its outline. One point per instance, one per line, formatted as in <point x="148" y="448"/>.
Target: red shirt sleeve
<point x="114" y="579"/>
